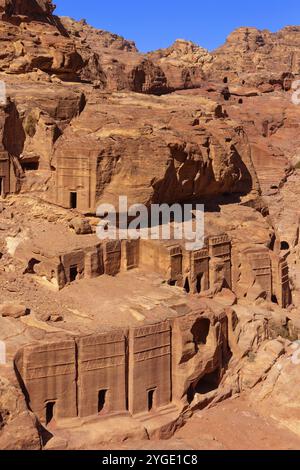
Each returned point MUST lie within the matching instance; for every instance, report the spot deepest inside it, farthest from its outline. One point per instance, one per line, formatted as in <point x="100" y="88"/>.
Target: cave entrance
<point x="200" y="332"/>
<point x="31" y="165"/>
<point x="73" y="273"/>
<point x="1" y="187"/>
<point x="102" y="395"/>
<point x="73" y="200"/>
<point x="208" y="383"/>
<point x="187" y="286"/>
<point x="50" y="407"/>
<point x="31" y="265"/>
<point x="284" y="246"/>
<point x="151" y="399"/>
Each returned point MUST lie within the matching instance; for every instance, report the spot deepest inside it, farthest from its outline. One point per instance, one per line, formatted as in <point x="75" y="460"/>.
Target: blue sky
<point x="154" y="24"/>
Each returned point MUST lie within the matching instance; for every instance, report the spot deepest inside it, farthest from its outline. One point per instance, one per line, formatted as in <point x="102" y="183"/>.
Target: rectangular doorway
<point x="50" y="406"/>
<point x="73" y="273"/>
<point x="73" y="200"/>
<point x="102" y="396"/>
<point x="151" y="399"/>
<point x="1" y="187"/>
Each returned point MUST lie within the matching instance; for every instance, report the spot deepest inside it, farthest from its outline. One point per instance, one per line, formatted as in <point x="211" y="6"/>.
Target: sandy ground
<point x="232" y="425"/>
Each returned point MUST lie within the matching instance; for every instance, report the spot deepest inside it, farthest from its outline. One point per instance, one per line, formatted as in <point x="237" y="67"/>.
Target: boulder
<point x="18" y="426"/>
<point x="13" y="310"/>
<point x="80" y="226"/>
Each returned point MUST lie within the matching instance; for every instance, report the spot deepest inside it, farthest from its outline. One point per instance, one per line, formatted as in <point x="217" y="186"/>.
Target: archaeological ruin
<point x="108" y="342"/>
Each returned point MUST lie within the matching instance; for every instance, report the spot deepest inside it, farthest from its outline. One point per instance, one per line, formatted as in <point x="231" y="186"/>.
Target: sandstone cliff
<point x="87" y="118"/>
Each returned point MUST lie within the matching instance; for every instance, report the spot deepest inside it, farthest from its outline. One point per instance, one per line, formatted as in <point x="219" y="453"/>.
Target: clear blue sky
<point x="154" y="24"/>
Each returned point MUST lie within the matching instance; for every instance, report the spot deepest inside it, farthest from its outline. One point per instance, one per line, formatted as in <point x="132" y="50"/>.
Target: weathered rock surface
<point x="88" y="118"/>
<point x="13" y="310"/>
<point x="184" y="64"/>
<point x="80" y="226"/>
<point x="18" y="426"/>
<point x="195" y="151"/>
<point x="259" y="57"/>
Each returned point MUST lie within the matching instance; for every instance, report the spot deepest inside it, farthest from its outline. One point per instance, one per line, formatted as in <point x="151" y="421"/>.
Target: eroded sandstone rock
<point x="13" y="310"/>
<point x="18" y="426"/>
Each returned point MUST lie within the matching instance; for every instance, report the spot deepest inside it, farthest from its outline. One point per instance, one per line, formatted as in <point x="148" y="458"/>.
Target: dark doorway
<point x="101" y="400"/>
<point x="172" y="283"/>
<point x="187" y="286"/>
<point x="1" y="186"/>
<point x="225" y="80"/>
<point x="30" y="166"/>
<point x="73" y="273"/>
<point x="151" y="396"/>
<point x="274" y="299"/>
<point x="50" y="411"/>
<point x="199" y="283"/>
<point x="73" y="200"/>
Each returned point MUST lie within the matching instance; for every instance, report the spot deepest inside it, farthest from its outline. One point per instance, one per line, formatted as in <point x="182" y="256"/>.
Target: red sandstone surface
<point x="145" y="344"/>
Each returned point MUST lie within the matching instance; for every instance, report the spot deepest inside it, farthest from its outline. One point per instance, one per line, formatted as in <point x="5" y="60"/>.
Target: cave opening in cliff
<point x="284" y="246"/>
<point x="225" y="80"/>
<point x="31" y="166"/>
<point x="1" y="186"/>
<point x="187" y="286"/>
<point x="31" y="265"/>
<point x="208" y="383"/>
<point x="102" y="395"/>
<point x="50" y="406"/>
<point x="73" y="200"/>
<point x="73" y="273"/>
<point x="200" y="331"/>
<point x="151" y="396"/>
